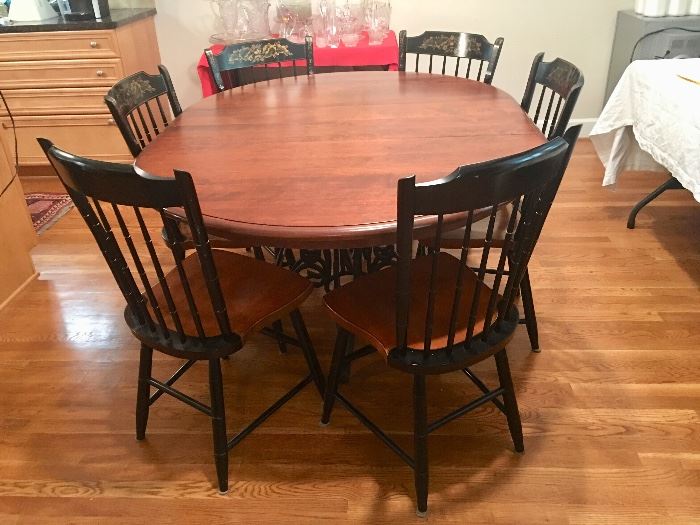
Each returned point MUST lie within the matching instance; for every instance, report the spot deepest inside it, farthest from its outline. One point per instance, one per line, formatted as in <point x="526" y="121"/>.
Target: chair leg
<point x="511" y="404"/>
<point x="530" y="316"/>
<point x="143" y="393"/>
<point x="218" y="424"/>
<point x="308" y="349"/>
<point x="279" y="329"/>
<point x="341" y="343"/>
<point x="420" y="438"/>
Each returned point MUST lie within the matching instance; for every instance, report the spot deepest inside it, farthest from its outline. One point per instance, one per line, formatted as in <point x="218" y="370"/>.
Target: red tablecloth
<point x="386" y="54"/>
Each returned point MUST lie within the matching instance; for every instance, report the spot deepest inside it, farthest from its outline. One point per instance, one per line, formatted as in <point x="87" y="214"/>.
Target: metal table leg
<point x="670" y="184"/>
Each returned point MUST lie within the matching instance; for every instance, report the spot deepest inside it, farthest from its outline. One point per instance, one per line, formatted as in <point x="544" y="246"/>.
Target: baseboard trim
<point x="19" y="290"/>
<point x="587" y="123"/>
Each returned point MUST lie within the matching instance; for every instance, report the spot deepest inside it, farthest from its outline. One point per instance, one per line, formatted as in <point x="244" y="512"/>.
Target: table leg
<point x="670" y="184"/>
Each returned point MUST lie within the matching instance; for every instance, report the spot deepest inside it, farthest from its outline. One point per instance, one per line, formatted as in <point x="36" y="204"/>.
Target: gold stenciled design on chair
<point x="449" y="44"/>
<point x="259" y="52"/>
<point x="134" y="92"/>
<point x="561" y="77"/>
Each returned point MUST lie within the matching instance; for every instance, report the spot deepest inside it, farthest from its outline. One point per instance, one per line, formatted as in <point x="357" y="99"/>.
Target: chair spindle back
<point x="228" y="65"/>
<point x="480" y="55"/>
<point x="528" y="182"/>
<point x="560" y="84"/>
<point x="114" y="201"/>
<point x="137" y="104"/>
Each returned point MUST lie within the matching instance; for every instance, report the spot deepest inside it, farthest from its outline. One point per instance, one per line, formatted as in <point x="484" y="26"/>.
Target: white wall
<point x="579" y="30"/>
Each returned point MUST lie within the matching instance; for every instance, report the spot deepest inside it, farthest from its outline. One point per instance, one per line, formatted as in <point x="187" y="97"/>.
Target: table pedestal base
<point x="326" y="268"/>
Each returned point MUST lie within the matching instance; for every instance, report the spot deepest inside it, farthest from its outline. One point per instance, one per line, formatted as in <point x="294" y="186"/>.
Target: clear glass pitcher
<point x="242" y="19"/>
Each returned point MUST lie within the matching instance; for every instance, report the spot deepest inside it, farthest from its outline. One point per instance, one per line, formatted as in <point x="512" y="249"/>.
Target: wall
<point x="578" y="30"/>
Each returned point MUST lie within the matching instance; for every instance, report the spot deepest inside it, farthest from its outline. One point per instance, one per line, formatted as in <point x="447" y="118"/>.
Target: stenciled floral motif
<point x="561" y="77"/>
<point x="133" y="92"/>
<point x="449" y="44"/>
<point x="259" y="52"/>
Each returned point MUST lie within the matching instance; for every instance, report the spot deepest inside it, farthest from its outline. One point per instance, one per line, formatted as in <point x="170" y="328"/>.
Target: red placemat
<point x="385" y="54"/>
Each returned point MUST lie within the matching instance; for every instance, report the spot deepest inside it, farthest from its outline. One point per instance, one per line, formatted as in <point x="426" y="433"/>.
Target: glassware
<point x="350" y="39"/>
<point x="294" y="18"/>
<point x="377" y="18"/>
<point x="318" y="25"/>
<point x="241" y="20"/>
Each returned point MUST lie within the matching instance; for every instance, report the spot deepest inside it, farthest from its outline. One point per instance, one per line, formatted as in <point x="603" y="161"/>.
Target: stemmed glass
<point x="377" y="17"/>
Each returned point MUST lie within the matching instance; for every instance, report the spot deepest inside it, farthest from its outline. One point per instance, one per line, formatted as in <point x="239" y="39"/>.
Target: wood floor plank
<point x="610" y="408"/>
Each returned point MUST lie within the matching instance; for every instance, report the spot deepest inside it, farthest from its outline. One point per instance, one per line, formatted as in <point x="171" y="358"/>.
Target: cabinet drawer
<point x="58" y="45"/>
<point x="56" y="101"/>
<point x="60" y="73"/>
<point x="93" y="136"/>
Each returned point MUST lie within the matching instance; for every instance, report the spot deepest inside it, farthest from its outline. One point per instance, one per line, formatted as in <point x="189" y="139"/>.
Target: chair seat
<point x="367" y="307"/>
<point x="453" y="239"/>
<point x="256" y="293"/>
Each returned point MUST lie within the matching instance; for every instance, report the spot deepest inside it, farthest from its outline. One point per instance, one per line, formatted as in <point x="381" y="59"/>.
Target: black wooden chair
<point x="137" y="106"/>
<point x="559" y="84"/>
<point x="202" y="307"/>
<point x="434" y="315"/>
<point x="474" y="49"/>
<point x="238" y="64"/>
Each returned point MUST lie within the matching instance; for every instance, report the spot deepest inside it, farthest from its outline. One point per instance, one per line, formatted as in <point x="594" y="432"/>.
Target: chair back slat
<point x="523" y="184"/>
<point x="163" y="117"/>
<point x="481" y="274"/>
<point x="502" y="260"/>
<point x="144" y="126"/>
<point x="93" y="183"/>
<point x="175" y="241"/>
<point x="459" y="288"/>
<point x="160" y="274"/>
<point x="481" y="69"/>
<point x="102" y="231"/>
<point x="547" y="115"/>
<point x="245" y="56"/>
<point x="554" y="117"/>
<point x="432" y="288"/>
<point x="126" y="99"/>
<point x="141" y="270"/>
<point x="444" y="44"/>
<point x="136" y="130"/>
<point x="561" y="79"/>
<point x="151" y="117"/>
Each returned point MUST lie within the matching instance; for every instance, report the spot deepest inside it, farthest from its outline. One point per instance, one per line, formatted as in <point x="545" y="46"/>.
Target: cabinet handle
<point x="93" y="44"/>
<point x="100" y="73"/>
<point x="110" y="121"/>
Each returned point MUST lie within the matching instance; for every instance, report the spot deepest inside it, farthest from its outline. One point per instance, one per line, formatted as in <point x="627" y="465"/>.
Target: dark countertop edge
<point x="118" y="18"/>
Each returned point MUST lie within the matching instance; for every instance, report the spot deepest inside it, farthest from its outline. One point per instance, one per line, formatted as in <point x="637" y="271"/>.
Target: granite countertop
<point x="119" y="17"/>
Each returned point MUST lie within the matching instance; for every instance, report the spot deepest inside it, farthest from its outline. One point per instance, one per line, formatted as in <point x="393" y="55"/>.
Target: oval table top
<point x="313" y="162"/>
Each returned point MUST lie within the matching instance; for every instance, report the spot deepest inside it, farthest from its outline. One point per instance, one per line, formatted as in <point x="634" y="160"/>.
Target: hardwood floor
<point x="611" y="407"/>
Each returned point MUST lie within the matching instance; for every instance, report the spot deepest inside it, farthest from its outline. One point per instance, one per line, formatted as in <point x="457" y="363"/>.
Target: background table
<point x="328" y="59"/>
<point x="652" y="122"/>
<point x="313" y="162"/>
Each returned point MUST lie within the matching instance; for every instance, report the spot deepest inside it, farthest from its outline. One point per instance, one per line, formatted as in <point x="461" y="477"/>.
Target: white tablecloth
<point x="652" y="122"/>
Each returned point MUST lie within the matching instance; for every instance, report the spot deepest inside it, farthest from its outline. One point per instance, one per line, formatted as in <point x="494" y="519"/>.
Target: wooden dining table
<point x="312" y="162"/>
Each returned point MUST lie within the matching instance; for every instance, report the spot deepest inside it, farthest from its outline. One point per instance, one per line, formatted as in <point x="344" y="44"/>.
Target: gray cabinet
<point x="669" y="44"/>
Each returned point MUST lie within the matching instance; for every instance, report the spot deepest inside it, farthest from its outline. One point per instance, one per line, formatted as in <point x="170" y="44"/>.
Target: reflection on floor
<point x="610" y="407"/>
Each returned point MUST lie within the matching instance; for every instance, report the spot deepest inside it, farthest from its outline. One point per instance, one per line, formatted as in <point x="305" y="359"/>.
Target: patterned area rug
<point x="47" y="208"/>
